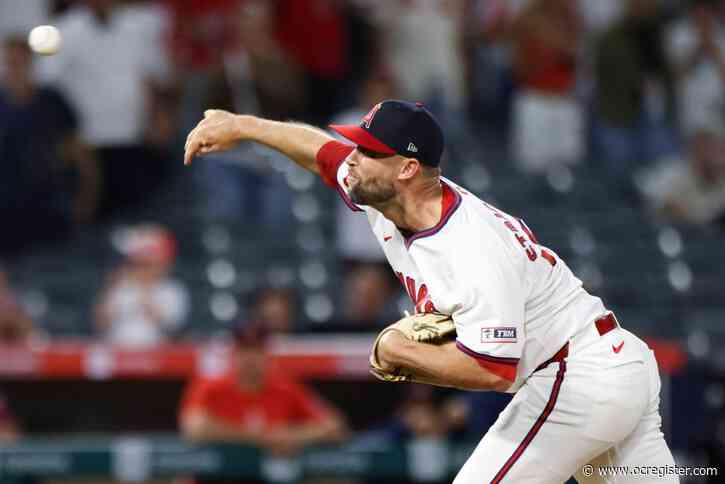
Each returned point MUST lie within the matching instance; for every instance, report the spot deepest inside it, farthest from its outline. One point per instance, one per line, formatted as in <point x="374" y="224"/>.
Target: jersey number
<point x="528" y="241"/>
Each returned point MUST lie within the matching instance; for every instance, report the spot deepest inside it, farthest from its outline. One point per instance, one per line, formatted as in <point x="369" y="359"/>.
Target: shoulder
<point x="206" y="384"/>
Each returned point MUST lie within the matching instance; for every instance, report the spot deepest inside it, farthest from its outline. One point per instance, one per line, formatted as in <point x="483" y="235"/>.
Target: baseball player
<point x="586" y="390"/>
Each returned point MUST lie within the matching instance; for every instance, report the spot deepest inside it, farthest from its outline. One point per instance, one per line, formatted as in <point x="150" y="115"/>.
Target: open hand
<point x="218" y="131"/>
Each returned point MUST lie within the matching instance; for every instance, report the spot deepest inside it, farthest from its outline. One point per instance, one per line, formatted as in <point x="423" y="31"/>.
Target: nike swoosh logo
<point x="617" y="349"/>
<point x="388" y="237"/>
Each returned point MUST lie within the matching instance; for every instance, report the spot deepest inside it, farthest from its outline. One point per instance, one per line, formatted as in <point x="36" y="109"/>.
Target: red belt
<point x="604" y="325"/>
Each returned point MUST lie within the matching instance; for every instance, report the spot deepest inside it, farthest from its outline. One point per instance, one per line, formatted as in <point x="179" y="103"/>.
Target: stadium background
<point x="598" y="122"/>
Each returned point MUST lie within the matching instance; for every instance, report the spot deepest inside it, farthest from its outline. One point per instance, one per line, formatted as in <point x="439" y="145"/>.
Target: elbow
<point x="193" y="428"/>
<point x="499" y="384"/>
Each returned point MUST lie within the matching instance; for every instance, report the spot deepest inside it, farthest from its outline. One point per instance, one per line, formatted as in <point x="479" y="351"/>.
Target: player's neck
<point x="417" y="209"/>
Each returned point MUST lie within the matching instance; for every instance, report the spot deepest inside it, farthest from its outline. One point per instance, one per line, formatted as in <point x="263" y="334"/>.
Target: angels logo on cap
<point x="398" y="127"/>
<point x="368" y="118"/>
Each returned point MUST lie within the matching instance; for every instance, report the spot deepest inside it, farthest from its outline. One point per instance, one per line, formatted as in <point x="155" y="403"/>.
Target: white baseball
<point x="45" y="40"/>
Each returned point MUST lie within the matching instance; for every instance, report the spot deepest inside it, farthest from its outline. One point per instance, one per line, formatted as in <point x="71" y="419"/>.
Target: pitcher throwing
<point x="586" y="390"/>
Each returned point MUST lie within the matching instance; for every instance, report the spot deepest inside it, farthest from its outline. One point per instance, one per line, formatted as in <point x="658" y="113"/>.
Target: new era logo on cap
<point x="398" y="127"/>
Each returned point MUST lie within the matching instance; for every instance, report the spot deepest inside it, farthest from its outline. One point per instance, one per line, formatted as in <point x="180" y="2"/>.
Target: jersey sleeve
<point x="490" y="319"/>
<point x="333" y="170"/>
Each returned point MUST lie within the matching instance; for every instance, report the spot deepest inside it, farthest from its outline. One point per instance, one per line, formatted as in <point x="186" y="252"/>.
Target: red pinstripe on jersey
<point x="537" y="426"/>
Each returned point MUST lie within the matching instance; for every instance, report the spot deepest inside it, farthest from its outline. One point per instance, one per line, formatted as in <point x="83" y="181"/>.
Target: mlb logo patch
<point x="498" y="335"/>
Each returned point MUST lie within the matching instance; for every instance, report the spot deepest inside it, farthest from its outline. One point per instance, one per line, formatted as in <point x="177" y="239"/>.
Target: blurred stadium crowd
<point x="601" y="123"/>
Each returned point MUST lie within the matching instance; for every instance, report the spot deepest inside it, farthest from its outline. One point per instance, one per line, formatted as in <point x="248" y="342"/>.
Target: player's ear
<point x="408" y="169"/>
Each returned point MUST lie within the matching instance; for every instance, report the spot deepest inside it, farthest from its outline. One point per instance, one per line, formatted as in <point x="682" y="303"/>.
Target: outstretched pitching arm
<point x="221" y="130"/>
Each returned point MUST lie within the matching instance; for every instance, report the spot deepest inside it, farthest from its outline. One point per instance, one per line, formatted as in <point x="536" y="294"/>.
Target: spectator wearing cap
<point x="256" y="403"/>
<point x="141" y="304"/>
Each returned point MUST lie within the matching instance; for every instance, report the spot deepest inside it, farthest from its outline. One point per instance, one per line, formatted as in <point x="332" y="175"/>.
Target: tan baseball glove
<point x="431" y="328"/>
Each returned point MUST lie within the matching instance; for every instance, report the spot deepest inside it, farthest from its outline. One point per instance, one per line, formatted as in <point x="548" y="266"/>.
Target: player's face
<point x="371" y="176"/>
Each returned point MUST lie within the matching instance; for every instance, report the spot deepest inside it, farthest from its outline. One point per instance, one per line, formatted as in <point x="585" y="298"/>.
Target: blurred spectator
<point x="141" y="304"/>
<point x="369" y="298"/>
<point x="16" y="327"/>
<point x="691" y="189"/>
<point x="263" y="76"/>
<point x="598" y="16"/>
<point x="419" y="415"/>
<point x="419" y="423"/>
<point x="50" y="176"/>
<point x="634" y="85"/>
<point x="547" y="119"/>
<point x="20" y="17"/>
<point x="421" y="41"/>
<point x="253" y="76"/>
<point x="697" y="50"/>
<point x="321" y="37"/>
<point x="23" y="16"/>
<point x="9" y="431"/>
<point x="488" y="51"/>
<point x="256" y="404"/>
<point x="202" y="34"/>
<point x="275" y="309"/>
<point x="202" y="31"/>
<point x="469" y="415"/>
<point x="114" y="85"/>
<point x="355" y="241"/>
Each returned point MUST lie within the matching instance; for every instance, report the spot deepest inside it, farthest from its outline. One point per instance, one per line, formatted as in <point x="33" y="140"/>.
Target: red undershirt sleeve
<point x="329" y="159"/>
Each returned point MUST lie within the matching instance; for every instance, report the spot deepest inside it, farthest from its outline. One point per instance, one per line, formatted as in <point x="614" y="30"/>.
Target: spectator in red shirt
<point x="548" y="120"/>
<point x="257" y="404"/>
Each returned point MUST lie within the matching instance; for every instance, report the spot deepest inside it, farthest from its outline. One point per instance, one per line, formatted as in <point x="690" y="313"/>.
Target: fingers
<point x="210" y="112"/>
<point x="193" y="145"/>
<point x="189" y="154"/>
<point x="196" y="142"/>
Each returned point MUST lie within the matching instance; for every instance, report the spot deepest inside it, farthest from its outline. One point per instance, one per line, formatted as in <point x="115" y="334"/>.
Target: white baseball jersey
<point x="515" y="305"/>
<point x="514" y="302"/>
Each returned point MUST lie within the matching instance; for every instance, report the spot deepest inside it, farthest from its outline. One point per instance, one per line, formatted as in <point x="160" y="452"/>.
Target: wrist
<point x="388" y="349"/>
<point x="244" y="125"/>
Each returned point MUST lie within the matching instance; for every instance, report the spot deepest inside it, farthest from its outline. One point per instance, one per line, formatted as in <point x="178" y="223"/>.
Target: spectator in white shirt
<point x="141" y="304"/>
<point x="112" y="67"/>
<point x="697" y="50"/>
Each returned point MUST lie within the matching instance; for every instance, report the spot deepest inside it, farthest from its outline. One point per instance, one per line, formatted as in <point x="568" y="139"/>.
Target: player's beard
<point x="371" y="192"/>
